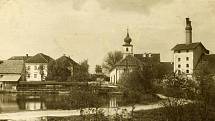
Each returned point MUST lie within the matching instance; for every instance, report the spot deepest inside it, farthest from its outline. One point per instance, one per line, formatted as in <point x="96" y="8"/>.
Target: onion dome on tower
<point x="127" y="39"/>
<point x="127" y="46"/>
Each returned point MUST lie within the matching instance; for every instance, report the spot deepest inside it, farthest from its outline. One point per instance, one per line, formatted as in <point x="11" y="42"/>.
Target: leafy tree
<point x="59" y="70"/>
<point x="189" y="99"/>
<point x="111" y="59"/>
<point x="98" y="69"/>
<point x="82" y="73"/>
<point x="41" y="69"/>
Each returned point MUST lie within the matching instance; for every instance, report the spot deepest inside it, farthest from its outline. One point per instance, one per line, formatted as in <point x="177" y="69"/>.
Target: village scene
<point x="126" y="81"/>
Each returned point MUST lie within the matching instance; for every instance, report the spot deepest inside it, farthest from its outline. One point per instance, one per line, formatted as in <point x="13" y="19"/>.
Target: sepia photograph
<point x="107" y="60"/>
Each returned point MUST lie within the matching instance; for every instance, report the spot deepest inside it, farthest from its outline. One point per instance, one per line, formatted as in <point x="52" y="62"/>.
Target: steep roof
<point x="189" y="46"/>
<point x="68" y="59"/>
<point x="19" y="57"/>
<point x="11" y="66"/>
<point x="39" y="58"/>
<point x="10" y="77"/>
<point x="129" y="61"/>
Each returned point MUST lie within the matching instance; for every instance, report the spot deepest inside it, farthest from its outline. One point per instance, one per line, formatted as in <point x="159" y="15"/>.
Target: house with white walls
<point x="37" y="67"/>
<point x="188" y="56"/>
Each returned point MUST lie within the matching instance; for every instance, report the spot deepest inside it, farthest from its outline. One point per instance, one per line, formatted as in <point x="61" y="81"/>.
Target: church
<point x="130" y="61"/>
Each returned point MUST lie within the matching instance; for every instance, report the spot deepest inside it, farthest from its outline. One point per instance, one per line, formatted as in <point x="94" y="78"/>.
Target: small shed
<point x="11" y="71"/>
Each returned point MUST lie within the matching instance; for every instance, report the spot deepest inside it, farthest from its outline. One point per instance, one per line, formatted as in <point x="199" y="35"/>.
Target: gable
<point x="39" y="58"/>
<point x="191" y="46"/>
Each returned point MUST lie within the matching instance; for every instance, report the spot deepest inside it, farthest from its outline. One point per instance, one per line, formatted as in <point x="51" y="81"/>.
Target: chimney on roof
<point x="27" y="56"/>
<point x="188" y="30"/>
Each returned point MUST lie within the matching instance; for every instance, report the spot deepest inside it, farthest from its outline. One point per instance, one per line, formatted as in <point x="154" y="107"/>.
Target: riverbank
<point x="26" y="115"/>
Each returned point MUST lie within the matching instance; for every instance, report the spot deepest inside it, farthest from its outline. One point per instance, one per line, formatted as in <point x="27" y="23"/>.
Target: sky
<point x="89" y="29"/>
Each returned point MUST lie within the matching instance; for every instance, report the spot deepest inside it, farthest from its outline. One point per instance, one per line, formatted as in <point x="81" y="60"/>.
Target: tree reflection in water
<point x="76" y="100"/>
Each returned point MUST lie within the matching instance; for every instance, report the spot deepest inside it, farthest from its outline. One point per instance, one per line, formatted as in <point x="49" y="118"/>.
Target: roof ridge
<point x="41" y="54"/>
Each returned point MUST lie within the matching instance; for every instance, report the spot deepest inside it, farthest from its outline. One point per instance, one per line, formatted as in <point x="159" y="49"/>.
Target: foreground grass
<point x="188" y="113"/>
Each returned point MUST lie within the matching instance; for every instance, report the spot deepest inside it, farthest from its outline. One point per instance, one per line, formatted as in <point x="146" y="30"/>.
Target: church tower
<point x="127" y="46"/>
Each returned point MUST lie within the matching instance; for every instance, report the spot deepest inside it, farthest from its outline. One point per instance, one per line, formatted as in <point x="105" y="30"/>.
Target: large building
<point x="130" y="60"/>
<point x="187" y="56"/>
<point x="36" y="67"/>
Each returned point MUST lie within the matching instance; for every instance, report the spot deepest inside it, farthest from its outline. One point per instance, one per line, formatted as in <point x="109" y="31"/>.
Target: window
<point x="35" y="67"/>
<point x="126" y="49"/>
<point x="187" y="51"/>
<point x="179" y="71"/>
<point x="187" y="71"/>
<point x="28" y="75"/>
<point x="35" y="75"/>
<point x="187" y="65"/>
<point x="179" y="51"/>
<point x="187" y="58"/>
<point x="29" y="67"/>
<point x="179" y="66"/>
<point x="179" y="59"/>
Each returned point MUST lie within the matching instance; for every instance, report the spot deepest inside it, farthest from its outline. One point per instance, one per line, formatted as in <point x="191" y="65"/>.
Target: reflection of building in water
<point x="113" y="102"/>
<point x="31" y="102"/>
<point x="35" y="105"/>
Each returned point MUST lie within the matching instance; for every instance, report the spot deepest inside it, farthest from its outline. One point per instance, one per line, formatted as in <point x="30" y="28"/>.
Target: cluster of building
<point x="188" y="59"/>
<point x="19" y="69"/>
<point x="191" y="58"/>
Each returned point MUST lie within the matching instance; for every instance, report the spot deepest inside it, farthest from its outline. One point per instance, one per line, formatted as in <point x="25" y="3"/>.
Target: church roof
<point x="128" y="61"/>
<point x="189" y="46"/>
<point x="39" y="58"/>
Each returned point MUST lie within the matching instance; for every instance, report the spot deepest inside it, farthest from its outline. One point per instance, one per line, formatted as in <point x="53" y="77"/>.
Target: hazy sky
<point x="88" y="29"/>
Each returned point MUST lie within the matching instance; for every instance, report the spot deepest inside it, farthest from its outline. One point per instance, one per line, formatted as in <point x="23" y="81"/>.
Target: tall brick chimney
<point x="188" y="30"/>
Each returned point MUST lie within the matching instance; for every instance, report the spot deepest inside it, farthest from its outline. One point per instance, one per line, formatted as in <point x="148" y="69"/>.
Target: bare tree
<point x="111" y="59"/>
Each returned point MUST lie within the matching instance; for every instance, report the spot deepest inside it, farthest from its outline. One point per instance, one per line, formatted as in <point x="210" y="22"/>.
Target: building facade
<point x="37" y="67"/>
<point x="187" y="56"/>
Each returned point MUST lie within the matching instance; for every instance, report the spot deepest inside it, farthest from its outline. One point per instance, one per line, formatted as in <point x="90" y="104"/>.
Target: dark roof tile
<point x="11" y="66"/>
<point x="19" y="57"/>
<point x="189" y="46"/>
<point x="39" y="58"/>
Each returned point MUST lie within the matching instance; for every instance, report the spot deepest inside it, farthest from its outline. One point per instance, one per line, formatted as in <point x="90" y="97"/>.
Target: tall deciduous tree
<point x="98" y="69"/>
<point x="58" y="70"/>
<point x="83" y="72"/>
<point x="41" y="69"/>
<point x="111" y="59"/>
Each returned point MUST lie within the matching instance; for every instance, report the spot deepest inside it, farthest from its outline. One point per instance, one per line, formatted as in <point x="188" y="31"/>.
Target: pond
<point x="13" y="102"/>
